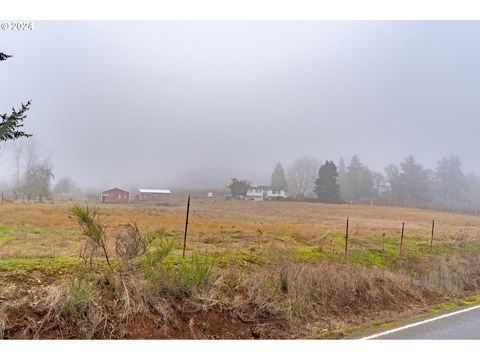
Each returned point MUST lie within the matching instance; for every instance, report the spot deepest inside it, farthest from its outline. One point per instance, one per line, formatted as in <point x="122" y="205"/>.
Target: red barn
<point x="152" y="195"/>
<point x="115" y="196"/>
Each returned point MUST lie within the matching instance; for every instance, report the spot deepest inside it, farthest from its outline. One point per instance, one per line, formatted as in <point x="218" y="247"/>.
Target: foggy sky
<point x="171" y="104"/>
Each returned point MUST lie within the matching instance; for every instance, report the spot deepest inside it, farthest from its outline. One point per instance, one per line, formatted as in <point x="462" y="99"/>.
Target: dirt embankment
<point x="281" y="300"/>
<point x="24" y="315"/>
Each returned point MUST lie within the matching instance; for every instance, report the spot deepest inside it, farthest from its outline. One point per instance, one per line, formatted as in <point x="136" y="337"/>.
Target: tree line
<point x="407" y="184"/>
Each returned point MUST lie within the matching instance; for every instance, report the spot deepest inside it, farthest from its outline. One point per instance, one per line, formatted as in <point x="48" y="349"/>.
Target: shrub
<point x="153" y="258"/>
<point x="190" y="277"/>
<point x="193" y="275"/>
<point x="131" y="243"/>
<point x="79" y="295"/>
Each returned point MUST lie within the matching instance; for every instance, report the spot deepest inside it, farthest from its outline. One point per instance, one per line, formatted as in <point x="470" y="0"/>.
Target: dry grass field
<point x="252" y="269"/>
<point x="39" y="230"/>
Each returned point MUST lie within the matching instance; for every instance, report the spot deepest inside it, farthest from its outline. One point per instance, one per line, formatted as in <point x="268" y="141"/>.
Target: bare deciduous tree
<point x="65" y="186"/>
<point x="301" y="176"/>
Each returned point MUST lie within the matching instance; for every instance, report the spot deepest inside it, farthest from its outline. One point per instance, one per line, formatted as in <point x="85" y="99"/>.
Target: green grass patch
<point x="452" y="248"/>
<point x="7" y="233"/>
<point x="81" y="290"/>
<point x="193" y="275"/>
<point x="420" y="250"/>
<point x="373" y="257"/>
<point x="157" y="238"/>
<point x="336" y="238"/>
<point x="42" y="264"/>
<point x="310" y="254"/>
<point x="384" y="323"/>
<point x="440" y="307"/>
<point x="391" y="252"/>
<point x="471" y="300"/>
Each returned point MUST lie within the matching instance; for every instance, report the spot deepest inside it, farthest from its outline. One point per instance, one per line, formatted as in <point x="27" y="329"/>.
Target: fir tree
<point x="326" y="186"/>
<point x="278" y="178"/>
<point x="10" y="124"/>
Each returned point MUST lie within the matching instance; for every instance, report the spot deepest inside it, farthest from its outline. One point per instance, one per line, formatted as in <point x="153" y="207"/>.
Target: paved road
<point x="460" y="324"/>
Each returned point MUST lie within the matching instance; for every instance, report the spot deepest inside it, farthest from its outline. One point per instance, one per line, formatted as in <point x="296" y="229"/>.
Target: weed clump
<point x="131" y="243"/>
<point x="193" y="276"/>
<point x="123" y="276"/>
<point x="79" y="296"/>
<point x="154" y="258"/>
<point x="94" y="232"/>
<point x="74" y="305"/>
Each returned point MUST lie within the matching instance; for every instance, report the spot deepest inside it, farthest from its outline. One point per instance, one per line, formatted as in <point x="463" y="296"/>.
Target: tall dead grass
<point x="75" y="304"/>
<point x="283" y="296"/>
<point x="292" y="294"/>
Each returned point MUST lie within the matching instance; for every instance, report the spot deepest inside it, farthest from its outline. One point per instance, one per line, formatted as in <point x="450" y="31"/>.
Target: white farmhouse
<point x="260" y="192"/>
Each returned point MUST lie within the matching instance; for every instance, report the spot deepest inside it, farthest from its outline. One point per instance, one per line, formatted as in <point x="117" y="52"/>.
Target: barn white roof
<point x="155" y="191"/>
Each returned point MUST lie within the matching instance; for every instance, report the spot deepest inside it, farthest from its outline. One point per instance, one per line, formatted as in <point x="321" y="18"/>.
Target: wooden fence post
<point x="401" y="239"/>
<point x="431" y="238"/>
<point x="346" y="240"/>
<point x="186" y="227"/>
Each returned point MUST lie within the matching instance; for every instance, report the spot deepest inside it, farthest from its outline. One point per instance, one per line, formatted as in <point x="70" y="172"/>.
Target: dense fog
<point x="190" y="105"/>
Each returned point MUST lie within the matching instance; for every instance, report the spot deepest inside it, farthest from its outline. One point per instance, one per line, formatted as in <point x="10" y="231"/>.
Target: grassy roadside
<point x="282" y="295"/>
<point x="411" y="316"/>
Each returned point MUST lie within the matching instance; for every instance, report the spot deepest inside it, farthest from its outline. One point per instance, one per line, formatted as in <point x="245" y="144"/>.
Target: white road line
<point x="419" y="323"/>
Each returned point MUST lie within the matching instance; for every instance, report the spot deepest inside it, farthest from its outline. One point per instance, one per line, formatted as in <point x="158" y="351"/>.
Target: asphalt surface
<point x="461" y="324"/>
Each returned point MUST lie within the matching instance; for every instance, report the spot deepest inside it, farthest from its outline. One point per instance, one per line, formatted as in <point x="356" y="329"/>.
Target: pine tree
<point x="278" y="178"/>
<point x="10" y="124"/>
<point x="326" y="186"/>
<point x="342" y="176"/>
<point x="4" y="56"/>
<point x="358" y="182"/>
<point x="416" y="182"/>
<point x="450" y="181"/>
